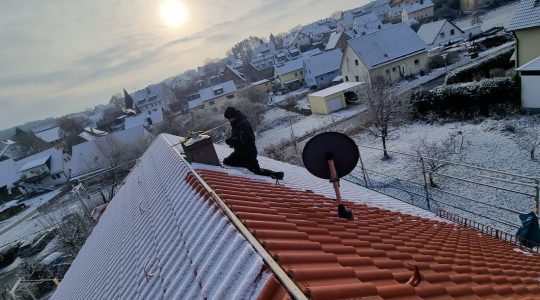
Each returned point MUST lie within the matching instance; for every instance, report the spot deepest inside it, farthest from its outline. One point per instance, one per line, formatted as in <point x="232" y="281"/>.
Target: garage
<point x="336" y="103"/>
<point x="331" y="99"/>
<point x="530" y="85"/>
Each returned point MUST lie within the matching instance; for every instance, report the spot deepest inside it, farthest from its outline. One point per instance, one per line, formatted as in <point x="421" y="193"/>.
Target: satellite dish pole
<point x="332" y="155"/>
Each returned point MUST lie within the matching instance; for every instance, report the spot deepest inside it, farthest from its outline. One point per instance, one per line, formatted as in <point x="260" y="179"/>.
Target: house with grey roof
<point x="214" y="97"/>
<point x="321" y="69"/>
<point x="392" y="53"/>
<point x="366" y="24"/>
<point x="440" y="33"/>
<point x="290" y="74"/>
<point x="153" y="97"/>
<point x="525" y="25"/>
<point x="337" y="40"/>
<point x="418" y="11"/>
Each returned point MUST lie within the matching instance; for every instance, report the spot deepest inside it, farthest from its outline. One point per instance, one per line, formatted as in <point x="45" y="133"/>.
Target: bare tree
<point x="385" y="111"/>
<point x="437" y="152"/>
<point x="527" y="138"/>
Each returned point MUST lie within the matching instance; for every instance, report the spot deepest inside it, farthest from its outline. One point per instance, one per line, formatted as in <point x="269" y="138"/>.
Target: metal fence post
<point x="425" y="182"/>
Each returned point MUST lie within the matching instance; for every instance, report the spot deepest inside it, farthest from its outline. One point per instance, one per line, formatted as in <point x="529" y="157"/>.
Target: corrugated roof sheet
<point x="533" y="65"/>
<point x="161" y="238"/>
<point x="324" y="63"/>
<point x="336" y="89"/>
<point x="527" y="15"/>
<point x="381" y="47"/>
<point x="374" y="255"/>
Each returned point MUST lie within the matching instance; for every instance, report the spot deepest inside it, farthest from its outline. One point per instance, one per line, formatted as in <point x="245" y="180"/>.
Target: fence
<point x="490" y="197"/>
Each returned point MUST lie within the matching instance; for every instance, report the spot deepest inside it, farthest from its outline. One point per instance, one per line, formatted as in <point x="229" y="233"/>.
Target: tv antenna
<point x="332" y="155"/>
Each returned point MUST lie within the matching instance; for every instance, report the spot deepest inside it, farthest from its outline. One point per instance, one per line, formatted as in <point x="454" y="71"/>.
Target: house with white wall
<point x="321" y="69"/>
<point x="440" y="33"/>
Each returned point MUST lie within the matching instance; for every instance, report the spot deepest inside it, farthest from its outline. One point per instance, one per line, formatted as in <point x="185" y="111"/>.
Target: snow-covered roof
<point x="39" y="161"/>
<point x="289" y="39"/>
<point x="429" y="32"/>
<point x="336" y="89"/>
<point x="212" y="92"/>
<point x="533" y="65"/>
<point x="334" y="40"/>
<point x="527" y="15"/>
<point x="161" y="238"/>
<point x="365" y="19"/>
<point x="50" y="135"/>
<point x="418" y="6"/>
<point x="56" y="162"/>
<point x="152" y="93"/>
<point x="324" y="63"/>
<point x="156" y="115"/>
<point x="386" y="45"/>
<point x="88" y="156"/>
<point x="8" y="173"/>
<point x="315" y="29"/>
<point x="90" y="133"/>
<point x="236" y="72"/>
<point x="311" y="53"/>
<point x="290" y="66"/>
<point x="260" y="82"/>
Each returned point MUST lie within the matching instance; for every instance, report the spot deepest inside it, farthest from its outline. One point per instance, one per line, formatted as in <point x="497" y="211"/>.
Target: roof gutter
<point x="280" y="275"/>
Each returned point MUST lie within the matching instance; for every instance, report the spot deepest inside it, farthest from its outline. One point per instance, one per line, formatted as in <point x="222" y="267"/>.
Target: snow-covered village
<point x="176" y="149"/>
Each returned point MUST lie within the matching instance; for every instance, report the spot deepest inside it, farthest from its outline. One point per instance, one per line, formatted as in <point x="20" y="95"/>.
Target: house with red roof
<point x="180" y="230"/>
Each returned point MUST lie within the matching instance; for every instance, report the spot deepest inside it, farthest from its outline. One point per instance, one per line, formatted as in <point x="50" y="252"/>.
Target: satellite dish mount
<point x="332" y="155"/>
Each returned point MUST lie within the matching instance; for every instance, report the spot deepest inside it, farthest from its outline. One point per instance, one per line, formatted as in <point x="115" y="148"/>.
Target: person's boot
<point x="344" y="212"/>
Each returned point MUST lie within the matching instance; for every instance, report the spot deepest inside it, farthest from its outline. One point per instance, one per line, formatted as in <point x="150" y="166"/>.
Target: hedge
<point x="466" y="100"/>
<point x="467" y="74"/>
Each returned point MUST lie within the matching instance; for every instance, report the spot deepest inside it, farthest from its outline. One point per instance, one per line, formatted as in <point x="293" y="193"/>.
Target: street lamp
<point x="7" y="143"/>
<point x="444" y="56"/>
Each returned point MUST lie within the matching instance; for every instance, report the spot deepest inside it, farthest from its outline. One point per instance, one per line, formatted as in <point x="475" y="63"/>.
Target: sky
<point x="63" y="56"/>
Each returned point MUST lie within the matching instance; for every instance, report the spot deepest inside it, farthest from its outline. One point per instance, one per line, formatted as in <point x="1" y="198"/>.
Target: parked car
<point x="8" y="254"/>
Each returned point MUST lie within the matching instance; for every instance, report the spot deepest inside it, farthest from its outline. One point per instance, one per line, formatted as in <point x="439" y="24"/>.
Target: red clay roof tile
<point x="375" y="255"/>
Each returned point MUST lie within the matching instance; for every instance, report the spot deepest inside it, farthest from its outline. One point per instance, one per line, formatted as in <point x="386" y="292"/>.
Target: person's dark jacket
<point x="242" y="138"/>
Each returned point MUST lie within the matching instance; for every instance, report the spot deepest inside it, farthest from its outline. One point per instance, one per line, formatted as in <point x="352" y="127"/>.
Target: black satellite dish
<point x="330" y="145"/>
<point x="332" y="155"/>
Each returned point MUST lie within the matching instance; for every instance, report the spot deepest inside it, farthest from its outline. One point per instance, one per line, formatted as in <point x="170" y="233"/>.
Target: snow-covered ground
<point x="487" y="146"/>
<point x="301" y="125"/>
<point x="493" y="18"/>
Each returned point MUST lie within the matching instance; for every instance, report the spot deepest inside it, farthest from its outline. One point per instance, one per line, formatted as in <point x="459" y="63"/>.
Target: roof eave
<point x="396" y="59"/>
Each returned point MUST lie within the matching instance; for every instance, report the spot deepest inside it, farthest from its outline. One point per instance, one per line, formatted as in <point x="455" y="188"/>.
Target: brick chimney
<point x="200" y="149"/>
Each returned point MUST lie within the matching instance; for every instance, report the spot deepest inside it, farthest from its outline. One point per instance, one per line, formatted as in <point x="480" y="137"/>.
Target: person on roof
<point x="242" y="140"/>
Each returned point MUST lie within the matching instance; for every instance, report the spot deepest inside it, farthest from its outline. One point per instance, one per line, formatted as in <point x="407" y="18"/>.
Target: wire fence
<point x="490" y="197"/>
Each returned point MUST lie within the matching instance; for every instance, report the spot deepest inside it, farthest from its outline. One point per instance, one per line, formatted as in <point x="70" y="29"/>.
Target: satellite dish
<point x="332" y="155"/>
<point x="327" y="146"/>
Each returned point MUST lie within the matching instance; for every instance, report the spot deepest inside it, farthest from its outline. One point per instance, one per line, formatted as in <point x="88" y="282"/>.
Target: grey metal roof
<point x="533" y="65"/>
<point x="160" y="238"/>
<point x="381" y="47"/>
<point x="324" y="63"/>
<point x="49" y="135"/>
<point x="527" y="15"/>
<point x="290" y="66"/>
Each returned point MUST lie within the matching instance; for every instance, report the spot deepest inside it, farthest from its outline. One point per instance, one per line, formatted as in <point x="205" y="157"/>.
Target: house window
<point x="442" y="35"/>
<point x="387" y="71"/>
<point x="231" y="96"/>
<point x="356" y="62"/>
<point x="452" y="31"/>
<point x="357" y="78"/>
<point x="211" y="102"/>
<point x="346" y="78"/>
<point x="295" y="74"/>
<point x="416" y="62"/>
<point x="393" y="69"/>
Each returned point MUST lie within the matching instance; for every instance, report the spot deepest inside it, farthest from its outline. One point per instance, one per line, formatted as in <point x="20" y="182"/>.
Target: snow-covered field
<point x="487" y="146"/>
<point x="497" y="17"/>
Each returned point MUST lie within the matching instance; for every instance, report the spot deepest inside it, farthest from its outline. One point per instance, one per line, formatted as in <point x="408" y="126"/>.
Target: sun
<point x="173" y="13"/>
